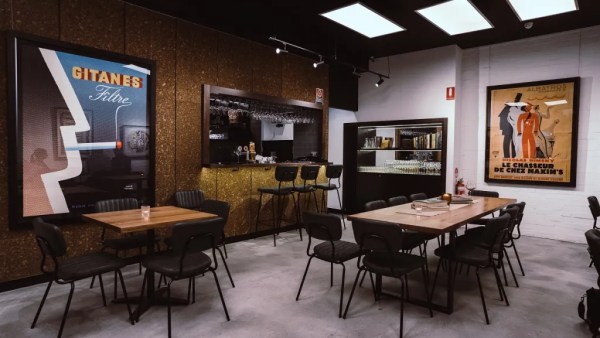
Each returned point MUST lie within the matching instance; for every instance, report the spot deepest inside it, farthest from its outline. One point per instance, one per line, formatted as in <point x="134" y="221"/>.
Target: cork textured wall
<point x="186" y="55"/>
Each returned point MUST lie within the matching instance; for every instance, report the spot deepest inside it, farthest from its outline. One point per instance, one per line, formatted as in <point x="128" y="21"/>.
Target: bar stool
<point x="333" y="171"/>
<point x="308" y="173"/>
<point x="283" y="174"/>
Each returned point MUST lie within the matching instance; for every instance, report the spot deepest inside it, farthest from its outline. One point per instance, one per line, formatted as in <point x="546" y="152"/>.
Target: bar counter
<point x="238" y="185"/>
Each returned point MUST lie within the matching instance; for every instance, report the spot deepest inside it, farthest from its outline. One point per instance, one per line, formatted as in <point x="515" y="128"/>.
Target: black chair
<point x="120" y="244"/>
<point x="417" y="196"/>
<point x="478" y="254"/>
<point x="374" y="205"/>
<point x="284" y="175"/>
<point x="594" y="208"/>
<point x="484" y="193"/>
<point x="186" y="259"/>
<point x="308" y="173"/>
<point x="397" y="200"/>
<point x="332" y="172"/>
<point x="516" y="211"/>
<point x="380" y="245"/>
<point x="53" y="246"/>
<point x="328" y="228"/>
<point x="592" y="237"/>
<point x="189" y="199"/>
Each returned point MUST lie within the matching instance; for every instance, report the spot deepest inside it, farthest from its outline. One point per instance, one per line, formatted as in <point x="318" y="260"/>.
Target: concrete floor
<point x="263" y="302"/>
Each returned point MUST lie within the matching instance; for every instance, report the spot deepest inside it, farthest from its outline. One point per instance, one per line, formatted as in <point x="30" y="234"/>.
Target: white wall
<point x="558" y="213"/>
<point x="417" y="90"/>
<point x="337" y="118"/>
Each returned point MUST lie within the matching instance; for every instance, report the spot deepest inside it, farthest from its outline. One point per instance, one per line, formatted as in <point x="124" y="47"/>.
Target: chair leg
<point x="258" y="212"/>
<point x="64" y="319"/>
<point x="114" y="286"/>
<point x="169" y="306"/>
<point x="194" y="290"/>
<point x="273" y="211"/>
<point x="124" y="289"/>
<point x="140" y="263"/>
<point x="94" y="278"/>
<point x="315" y="197"/>
<point x="137" y="315"/>
<point x="341" y="207"/>
<point x="224" y="246"/>
<point x="406" y="286"/>
<point x="501" y="287"/>
<point x="102" y="289"/>
<point x="220" y="294"/>
<point x="487" y="319"/>
<point x="501" y="262"/>
<point x="427" y="296"/>
<point x="510" y="267"/>
<point x="351" y="294"/>
<point x="303" y="278"/>
<point x="363" y="278"/>
<point x="342" y="289"/>
<point x="296" y="208"/>
<point x="403" y="286"/>
<point x="37" y="314"/>
<point x="437" y="270"/>
<point x="331" y="276"/>
<point x="226" y="267"/>
<point x="189" y="293"/>
<point x="519" y="259"/>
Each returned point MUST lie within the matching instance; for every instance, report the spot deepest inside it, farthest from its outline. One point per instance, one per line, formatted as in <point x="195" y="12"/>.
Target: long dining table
<point x="437" y="223"/>
<point x="130" y="221"/>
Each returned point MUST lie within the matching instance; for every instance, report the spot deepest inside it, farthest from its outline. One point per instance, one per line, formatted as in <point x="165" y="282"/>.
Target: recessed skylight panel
<point x="363" y="20"/>
<point x="532" y="9"/>
<point x="456" y="17"/>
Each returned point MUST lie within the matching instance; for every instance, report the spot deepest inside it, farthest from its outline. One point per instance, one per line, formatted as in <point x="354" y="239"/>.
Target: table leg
<point x="151" y="235"/>
<point x="450" y="296"/>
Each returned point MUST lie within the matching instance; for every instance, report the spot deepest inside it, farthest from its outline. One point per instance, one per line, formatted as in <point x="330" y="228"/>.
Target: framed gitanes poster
<point x="69" y="107"/>
<point x="531" y="133"/>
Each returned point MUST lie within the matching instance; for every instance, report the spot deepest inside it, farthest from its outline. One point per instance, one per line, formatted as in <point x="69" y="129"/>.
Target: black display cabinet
<point x="383" y="159"/>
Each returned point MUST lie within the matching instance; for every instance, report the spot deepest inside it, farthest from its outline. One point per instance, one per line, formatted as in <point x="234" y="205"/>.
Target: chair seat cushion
<point x="393" y="264"/>
<point x="276" y="190"/>
<point x="305" y="189"/>
<point x="125" y="243"/>
<point x="168" y="264"/>
<point x="343" y="251"/>
<point x="326" y="186"/>
<point x="465" y="252"/>
<point x="88" y="265"/>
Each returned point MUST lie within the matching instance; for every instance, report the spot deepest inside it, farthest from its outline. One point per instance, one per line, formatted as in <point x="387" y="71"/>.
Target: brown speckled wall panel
<point x="234" y="69"/>
<point x="186" y="56"/>
<point x="266" y="71"/>
<point x="95" y="23"/>
<point x="234" y="186"/>
<point x="39" y="17"/>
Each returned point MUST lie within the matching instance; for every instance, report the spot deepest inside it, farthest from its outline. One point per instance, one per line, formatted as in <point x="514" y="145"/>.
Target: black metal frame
<point x="332" y="186"/>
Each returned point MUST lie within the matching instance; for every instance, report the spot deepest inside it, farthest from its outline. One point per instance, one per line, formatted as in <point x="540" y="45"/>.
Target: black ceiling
<point x="299" y="22"/>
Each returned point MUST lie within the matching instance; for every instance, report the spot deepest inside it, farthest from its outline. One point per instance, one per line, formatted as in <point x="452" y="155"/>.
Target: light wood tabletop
<point x="126" y="221"/>
<point x="442" y="223"/>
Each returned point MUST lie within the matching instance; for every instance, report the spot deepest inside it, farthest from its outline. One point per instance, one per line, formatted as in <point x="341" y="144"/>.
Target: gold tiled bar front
<point x="239" y="187"/>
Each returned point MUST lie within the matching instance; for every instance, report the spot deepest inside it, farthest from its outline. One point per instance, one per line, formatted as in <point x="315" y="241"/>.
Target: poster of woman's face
<point x="531" y="133"/>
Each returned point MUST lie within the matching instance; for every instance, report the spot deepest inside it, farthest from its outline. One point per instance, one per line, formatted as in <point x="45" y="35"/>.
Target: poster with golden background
<point x="531" y="133"/>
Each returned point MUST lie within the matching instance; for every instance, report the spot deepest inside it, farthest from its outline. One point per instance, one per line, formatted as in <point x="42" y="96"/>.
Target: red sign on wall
<point x="319" y="95"/>
<point x="450" y="93"/>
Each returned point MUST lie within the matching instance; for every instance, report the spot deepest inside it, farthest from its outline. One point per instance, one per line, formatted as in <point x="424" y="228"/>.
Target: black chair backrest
<point x="397" y="200"/>
<point x="116" y="204"/>
<point x="495" y="229"/>
<point x="51" y="241"/>
<point x="594" y="207"/>
<point x="417" y="196"/>
<point x="334" y="171"/>
<point x="216" y="207"/>
<point x="377" y="236"/>
<point x="309" y="172"/>
<point x="592" y="237"/>
<point x="189" y="199"/>
<point x="374" y="205"/>
<point x="485" y="193"/>
<point x="197" y="235"/>
<point x="286" y="173"/>
<point x="325" y="227"/>
<point x="513" y="211"/>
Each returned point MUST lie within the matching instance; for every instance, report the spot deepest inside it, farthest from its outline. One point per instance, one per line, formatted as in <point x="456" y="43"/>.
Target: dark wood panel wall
<point x="186" y="55"/>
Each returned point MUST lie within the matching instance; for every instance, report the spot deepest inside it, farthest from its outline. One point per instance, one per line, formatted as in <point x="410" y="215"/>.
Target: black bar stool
<point x="283" y="174"/>
<point x="332" y="172"/>
<point x="308" y="173"/>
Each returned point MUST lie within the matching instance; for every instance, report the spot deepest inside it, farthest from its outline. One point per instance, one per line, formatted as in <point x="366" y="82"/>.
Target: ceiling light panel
<point x="531" y="9"/>
<point x="456" y="17"/>
<point x="363" y="20"/>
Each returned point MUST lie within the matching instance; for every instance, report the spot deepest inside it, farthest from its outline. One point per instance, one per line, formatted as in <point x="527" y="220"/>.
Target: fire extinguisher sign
<point x="450" y="93"/>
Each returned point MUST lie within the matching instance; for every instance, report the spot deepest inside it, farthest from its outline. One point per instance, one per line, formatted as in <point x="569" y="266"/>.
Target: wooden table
<point x="447" y="222"/>
<point x="128" y="221"/>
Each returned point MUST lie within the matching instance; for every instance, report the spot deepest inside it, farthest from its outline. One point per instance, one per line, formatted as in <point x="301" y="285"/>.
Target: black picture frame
<point x="24" y="47"/>
<point x="531" y="133"/>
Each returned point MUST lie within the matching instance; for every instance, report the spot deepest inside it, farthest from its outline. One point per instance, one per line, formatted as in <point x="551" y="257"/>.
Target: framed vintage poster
<point x="531" y="135"/>
<point x="70" y="105"/>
